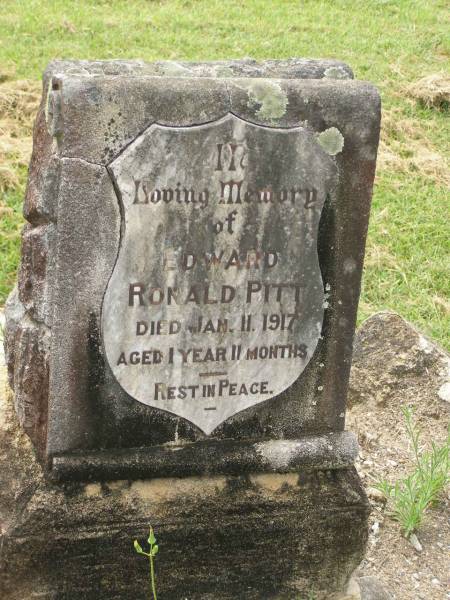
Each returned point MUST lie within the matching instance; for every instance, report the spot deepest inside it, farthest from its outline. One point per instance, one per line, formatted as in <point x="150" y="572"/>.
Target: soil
<point x="411" y="373"/>
<point x="405" y="573"/>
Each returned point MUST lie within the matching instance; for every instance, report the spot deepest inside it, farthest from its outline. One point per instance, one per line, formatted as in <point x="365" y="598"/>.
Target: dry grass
<point x="19" y="101"/>
<point x="405" y="147"/>
<point x="442" y="304"/>
<point x="432" y="91"/>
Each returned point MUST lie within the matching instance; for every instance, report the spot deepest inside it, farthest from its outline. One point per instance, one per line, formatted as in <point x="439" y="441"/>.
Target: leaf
<point x="155" y="550"/>
<point x="138" y="547"/>
<point x="151" y="537"/>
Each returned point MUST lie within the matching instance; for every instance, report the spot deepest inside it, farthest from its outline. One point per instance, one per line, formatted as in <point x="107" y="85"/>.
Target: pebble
<point x="444" y="391"/>
<point x="376" y="495"/>
<point x="414" y="541"/>
<point x="375" y="528"/>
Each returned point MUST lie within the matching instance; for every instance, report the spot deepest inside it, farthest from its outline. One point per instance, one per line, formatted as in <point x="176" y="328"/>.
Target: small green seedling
<point x="412" y="496"/>
<point x="151" y="555"/>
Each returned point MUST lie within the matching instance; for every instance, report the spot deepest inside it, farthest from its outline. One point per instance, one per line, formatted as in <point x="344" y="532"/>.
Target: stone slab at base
<point x="283" y="534"/>
<point x="371" y="589"/>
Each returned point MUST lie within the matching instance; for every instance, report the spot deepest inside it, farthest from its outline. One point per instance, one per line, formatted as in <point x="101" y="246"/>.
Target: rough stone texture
<point x="21" y="483"/>
<point x="87" y="240"/>
<point x="28" y="309"/>
<point x="87" y="104"/>
<point x="292" y="68"/>
<point x="16" y="313"/>
<point x="28" y="371"/>
<point x="412" y="365"/>
<point x="372" y="589"/>
<point x="84" y="227"/>
<point x="224" y="537"/>
<point x="42" y="186"/>
<point x="396" y="366"/>
<point x="35" y="268"/>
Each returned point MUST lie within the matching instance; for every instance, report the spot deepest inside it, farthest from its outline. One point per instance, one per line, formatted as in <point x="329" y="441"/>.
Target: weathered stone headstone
<point x="186" y="307"/>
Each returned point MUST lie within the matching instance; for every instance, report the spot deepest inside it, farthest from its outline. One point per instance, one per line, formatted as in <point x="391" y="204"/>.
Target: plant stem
<point x="152" y="577"/>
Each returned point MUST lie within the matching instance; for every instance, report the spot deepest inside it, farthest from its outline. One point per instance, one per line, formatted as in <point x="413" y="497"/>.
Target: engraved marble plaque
<point x="216" y="300"/>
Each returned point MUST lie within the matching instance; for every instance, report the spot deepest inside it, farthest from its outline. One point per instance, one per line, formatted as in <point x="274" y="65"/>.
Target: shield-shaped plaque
<point x="216" y="300"/>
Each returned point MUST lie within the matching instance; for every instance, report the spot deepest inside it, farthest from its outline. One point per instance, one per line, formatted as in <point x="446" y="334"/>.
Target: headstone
<point x="189" y="281"/>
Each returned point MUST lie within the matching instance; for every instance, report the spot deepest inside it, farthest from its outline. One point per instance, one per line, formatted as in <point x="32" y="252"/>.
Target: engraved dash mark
<point x="213" y="374"/>
<point x="210" y="408"/>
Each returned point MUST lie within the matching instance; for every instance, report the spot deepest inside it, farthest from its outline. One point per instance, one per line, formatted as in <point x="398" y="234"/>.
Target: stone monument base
<point x="258" y="536"/>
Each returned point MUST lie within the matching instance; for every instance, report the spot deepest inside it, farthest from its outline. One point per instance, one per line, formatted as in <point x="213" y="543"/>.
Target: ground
<point x="395" y="366"/>
<point x="406" y="573"/>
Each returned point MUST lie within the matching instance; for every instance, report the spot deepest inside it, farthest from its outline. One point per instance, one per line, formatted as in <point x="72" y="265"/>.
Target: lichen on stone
<point x="269" y="96"/>
<point x="223" y="71"/>
<point x="336" y="73"/>
<point x="331" y="140"/>
<point x="173" y="69"/>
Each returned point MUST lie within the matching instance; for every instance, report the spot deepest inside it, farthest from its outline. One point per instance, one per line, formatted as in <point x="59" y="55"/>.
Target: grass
<point x="10" y="227"/>
<point x="407" y="266"/>
<point x="412" y="496"/>
<point x="393" y="43"/>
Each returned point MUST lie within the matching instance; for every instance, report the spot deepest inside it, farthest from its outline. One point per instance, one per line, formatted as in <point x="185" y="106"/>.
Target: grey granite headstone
<point x="187" y="299"/>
